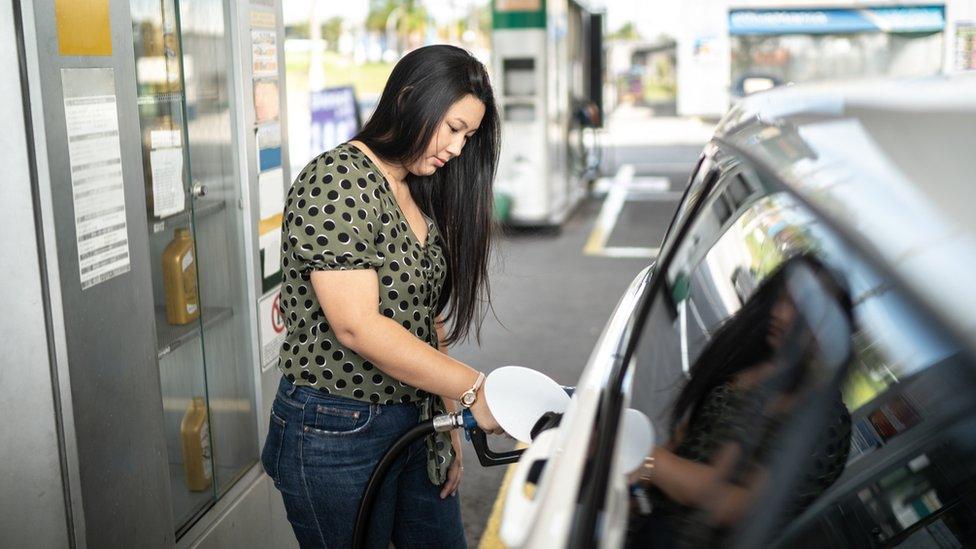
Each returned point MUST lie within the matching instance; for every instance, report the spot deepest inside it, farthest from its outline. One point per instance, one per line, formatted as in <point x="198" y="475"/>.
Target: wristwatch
<point x="468" y="398"/>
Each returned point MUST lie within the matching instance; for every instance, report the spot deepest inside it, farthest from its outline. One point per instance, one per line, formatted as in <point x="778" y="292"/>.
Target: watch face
<point x="467" y="399"/>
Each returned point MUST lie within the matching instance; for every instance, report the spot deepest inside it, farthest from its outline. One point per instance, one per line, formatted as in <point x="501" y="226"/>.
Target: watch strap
<point x="470" y="396"/>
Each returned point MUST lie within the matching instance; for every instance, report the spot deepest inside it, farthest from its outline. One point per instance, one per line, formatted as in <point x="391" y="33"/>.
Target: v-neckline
<point x="386" y="183"/>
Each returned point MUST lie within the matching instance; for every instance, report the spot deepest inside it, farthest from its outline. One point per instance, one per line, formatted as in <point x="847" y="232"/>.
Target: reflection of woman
<point x="383" y="238"/>
<point x="726" y="421"/>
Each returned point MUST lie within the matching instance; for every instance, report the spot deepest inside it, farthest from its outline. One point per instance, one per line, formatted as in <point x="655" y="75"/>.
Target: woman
<point x="385" y="243"/>
<point x="727" y="420"/>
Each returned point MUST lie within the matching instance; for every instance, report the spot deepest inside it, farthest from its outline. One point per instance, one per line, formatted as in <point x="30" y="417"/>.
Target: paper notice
<point x="271" y="190"/>
<point x="160" y="139"/>
<point x="95" y="159"/>
<point x="264" y="53"/>
<point x="266" y="101"/>
<point x="263" y="19"/>
<point x="269" y="136"/>
<point x="167" y="181"/>
<point x="271" y="244"/>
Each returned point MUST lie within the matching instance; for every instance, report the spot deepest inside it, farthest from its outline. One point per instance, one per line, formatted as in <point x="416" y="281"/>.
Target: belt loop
<point x="291" y="390"/>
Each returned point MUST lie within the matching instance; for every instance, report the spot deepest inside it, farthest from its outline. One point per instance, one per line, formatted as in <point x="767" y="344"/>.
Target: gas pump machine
<point x="548" y="68"/>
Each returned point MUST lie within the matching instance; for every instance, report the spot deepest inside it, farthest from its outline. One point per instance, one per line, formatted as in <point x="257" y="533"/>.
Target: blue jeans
<point x="320" y="452"/>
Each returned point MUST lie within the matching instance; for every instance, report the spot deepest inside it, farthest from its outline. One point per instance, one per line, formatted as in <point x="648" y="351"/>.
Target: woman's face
<point x="781" y="318"/>
<point x="460" y="123"/>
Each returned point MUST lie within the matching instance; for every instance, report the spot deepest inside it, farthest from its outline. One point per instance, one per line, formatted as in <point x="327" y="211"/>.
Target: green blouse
<point x="341" y="214"/>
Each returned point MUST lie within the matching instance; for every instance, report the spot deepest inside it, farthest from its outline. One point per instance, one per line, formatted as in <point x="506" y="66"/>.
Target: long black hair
<point x="741" y="342"/>
<point x="422" y="87"/>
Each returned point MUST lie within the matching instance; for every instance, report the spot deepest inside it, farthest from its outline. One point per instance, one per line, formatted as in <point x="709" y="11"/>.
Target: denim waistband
<point x="304" y="394"/>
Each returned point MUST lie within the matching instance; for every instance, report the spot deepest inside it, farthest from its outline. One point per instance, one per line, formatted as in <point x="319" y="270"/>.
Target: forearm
<point x="683" y="480"/>
<point x="449" y="403"/>
<point x="699" y="485"/>
<point x="400" y="354"/>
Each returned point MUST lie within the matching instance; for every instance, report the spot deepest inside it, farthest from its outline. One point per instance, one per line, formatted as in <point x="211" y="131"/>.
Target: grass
<point x="367" y="79"/>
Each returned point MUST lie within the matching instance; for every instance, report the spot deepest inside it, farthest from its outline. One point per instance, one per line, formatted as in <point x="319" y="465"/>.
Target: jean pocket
<point x="331" y="420"/>
<point x="271" y="453"/>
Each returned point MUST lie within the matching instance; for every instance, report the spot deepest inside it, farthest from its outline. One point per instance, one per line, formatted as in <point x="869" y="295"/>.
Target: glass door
<point x="206" y="362"/>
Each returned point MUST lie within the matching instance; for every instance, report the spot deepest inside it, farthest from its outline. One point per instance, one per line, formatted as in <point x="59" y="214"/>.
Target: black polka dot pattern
<point x="341" y="214"/>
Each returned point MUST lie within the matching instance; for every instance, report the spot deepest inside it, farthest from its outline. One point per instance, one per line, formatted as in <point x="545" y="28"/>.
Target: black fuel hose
<point x="365" y="512"/>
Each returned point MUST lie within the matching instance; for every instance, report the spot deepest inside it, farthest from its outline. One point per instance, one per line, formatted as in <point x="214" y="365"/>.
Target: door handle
<point x="198" y="190"/>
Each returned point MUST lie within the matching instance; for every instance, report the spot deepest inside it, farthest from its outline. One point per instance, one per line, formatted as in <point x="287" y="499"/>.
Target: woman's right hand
<point x="481" y="413"/>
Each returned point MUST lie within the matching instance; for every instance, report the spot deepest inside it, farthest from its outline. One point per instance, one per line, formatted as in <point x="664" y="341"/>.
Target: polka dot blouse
<point x="341" y="214"/>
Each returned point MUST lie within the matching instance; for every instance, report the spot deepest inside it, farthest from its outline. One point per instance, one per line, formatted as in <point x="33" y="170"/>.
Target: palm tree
<point x="406" y="19"/>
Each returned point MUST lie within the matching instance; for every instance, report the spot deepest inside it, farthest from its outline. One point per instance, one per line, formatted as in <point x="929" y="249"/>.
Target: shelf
<point x="159" y="98"/>
<point x="186" y="504"/>
<point x="203" y="208"/>
<point x="170" y="337"/>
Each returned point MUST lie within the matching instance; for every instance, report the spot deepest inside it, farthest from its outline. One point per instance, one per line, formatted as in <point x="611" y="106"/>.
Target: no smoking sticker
<point x="271" y="328"/>
<point x="277" y="315"/>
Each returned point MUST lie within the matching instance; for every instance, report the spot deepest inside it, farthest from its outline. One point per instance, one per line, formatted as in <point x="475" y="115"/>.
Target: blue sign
<point x="837" y="21"/>
<point x="335" y="117"/>
<point x="269" y="159"/>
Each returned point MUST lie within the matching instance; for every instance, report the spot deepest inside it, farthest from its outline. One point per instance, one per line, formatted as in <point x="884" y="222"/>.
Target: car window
<point x="906" y="467"/>
<point x="911" y="465"/>
<point x="714" y="242"/>
<point x="699" y="181"/>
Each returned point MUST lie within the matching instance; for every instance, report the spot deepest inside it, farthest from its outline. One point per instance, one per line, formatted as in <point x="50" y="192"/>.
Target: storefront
<point x="728" y="49"/>
<point x="771" y="47"/>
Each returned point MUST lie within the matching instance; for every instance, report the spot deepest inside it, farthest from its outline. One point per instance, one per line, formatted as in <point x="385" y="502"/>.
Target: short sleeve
<point x="332" y="217"/>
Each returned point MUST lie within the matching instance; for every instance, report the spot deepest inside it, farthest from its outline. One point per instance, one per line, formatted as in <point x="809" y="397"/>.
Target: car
<point x="872" y="180"/>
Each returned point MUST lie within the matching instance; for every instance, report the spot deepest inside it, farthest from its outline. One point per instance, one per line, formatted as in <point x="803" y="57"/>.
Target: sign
<point x="518" y="5"/>
<point x="335" y="117"/>
<point x="84" y="28"/>
<point x="266" y="105"/>
<point x="833" y="21"/>
<point x="166" y="164"/>
<point x="95" y="160"/>
<point x="965" y="46"/>
<point x="272" y="328"/>
<point x="262" y="19"/>
<point x="264" y="53"/>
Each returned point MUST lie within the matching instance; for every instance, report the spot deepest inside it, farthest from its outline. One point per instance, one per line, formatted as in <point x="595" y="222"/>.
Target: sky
<point x="653" y="17"/>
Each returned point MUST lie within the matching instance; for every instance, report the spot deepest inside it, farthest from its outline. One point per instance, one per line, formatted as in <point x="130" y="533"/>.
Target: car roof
<point x="891" y="164"/>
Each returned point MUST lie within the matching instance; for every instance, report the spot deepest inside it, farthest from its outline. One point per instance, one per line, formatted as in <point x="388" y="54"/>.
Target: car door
<point x="706" y="270"/>
<point x="908" y="475"/>
<point x="554" y="467"/>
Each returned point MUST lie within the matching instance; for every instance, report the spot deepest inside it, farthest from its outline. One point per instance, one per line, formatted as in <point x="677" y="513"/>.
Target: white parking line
<point x="622" y="188"/>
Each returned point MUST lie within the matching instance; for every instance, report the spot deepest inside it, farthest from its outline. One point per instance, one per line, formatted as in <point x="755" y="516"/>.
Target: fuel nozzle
<point x="479" y="439"/>
<point x="521" y="423"/>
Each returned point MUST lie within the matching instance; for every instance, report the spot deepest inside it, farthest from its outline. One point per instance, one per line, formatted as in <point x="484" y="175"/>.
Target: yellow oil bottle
<point x="180" y="279"/>
<point x="195" y="435"/>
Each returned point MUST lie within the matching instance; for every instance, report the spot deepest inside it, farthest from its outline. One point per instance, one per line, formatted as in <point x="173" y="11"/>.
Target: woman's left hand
<point x="455" y="470"/>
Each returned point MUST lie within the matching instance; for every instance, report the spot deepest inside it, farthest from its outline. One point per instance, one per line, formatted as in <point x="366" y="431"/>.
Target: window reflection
<point x="909" y="473"/>
<point x="775" y="362"/>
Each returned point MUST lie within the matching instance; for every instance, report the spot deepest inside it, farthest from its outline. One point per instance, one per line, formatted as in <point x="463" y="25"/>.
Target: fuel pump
<point x="547" y="59"/>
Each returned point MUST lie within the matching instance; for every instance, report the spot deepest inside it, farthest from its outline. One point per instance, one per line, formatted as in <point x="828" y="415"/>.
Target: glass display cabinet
<point x="193" y="205"/>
